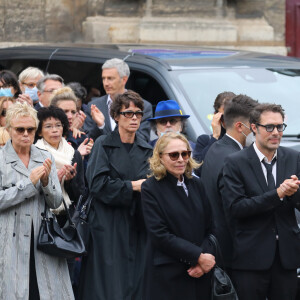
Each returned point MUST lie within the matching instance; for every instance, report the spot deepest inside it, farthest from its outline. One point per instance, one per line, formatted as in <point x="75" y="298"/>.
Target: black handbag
<point x="80" y="216"/>
<point x="62" y="242"/>
<point x="222" y="287"/>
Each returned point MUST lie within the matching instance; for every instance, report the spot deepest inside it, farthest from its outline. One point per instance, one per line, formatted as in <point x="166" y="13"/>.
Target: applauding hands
<point x="41" y="173"/>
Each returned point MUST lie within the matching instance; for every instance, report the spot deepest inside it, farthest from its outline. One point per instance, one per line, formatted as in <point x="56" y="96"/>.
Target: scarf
<point x="63" y="156"/>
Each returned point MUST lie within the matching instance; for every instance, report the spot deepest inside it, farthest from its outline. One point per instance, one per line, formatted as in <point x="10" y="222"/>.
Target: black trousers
<point x="276" y="283"/>
<point x="33" y="285"/>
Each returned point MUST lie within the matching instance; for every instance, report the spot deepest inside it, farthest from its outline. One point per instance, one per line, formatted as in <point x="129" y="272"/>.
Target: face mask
<point x="250" y="139"/>
<point x="6" y="92"/>
<point x="32" y="93"/>
<point x="162" y="133"/>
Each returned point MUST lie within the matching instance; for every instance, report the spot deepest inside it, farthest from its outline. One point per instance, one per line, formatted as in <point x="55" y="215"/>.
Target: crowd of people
<point x="154" y="203"/>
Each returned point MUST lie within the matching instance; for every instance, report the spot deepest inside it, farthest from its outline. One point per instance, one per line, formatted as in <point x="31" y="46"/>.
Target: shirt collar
<point x="240" y="145"/>
<point x="261" y="156"/>
<point x="109" y="100"/>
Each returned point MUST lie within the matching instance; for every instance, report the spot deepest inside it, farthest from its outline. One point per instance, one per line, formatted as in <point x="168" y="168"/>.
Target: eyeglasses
<point x="50" y="127"/>
<point x="21" y="130"/>
<point x="271" y="127"/>
<point x="3" y="113"/>
<point x="30" y="84"/>
<point x="175" y="155"/>
<point x="164" y="121"/>
<point x="129" y="114"/>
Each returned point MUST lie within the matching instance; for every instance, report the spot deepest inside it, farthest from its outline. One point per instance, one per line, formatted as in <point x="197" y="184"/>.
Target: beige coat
<point x="21" y="205"/>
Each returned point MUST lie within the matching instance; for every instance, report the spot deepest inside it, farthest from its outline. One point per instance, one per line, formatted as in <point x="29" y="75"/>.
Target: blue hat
<point x="168" y="108"/>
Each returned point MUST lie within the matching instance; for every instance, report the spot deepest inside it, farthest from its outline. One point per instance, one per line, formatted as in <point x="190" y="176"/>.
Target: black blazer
<point x="178" y="226"/>
<point x="212" y="178"/>
<point x="258" y="214"/>
<point x="94" y="132"/>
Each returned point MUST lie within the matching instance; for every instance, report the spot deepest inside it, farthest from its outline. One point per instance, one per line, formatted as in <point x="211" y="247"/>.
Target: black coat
<point x="114" y="266"/>
<point x="91" y="128"/>
<point x="212" y="178"/>
<point x="178" y="226"/>
<point x="256" y="213"/>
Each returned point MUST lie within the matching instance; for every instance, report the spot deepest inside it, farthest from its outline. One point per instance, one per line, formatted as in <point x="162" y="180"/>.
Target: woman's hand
<point x="70" y="171"/>
<point x="136" y="185"/>
<point x="195" y="271"/>
<point x="97" y="115"/>
<point x="61" y="173"/>
<point x="79" y="120"/>
<point x="47" y="168"/>
<point x="206" y="262"/>
<point x="76" y="133"/>
<point x="86" y="146"/>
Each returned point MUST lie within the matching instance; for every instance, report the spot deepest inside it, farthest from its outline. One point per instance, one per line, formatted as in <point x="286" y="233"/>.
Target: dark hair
<point x="124" y="100"/>
<point x="45" y="113"/>
<point x="79" y="90"/>
<point x="221" y="99"/>
<point x="9" y="78"/>
<point x="265" y="107"/>
<point x="239" y="107"/>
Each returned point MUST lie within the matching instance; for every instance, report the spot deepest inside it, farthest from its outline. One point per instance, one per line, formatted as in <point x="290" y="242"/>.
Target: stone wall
<point x="62" y="20"/>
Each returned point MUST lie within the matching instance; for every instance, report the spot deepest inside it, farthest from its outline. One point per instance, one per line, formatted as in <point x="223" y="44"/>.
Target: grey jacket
<point x="21" y="205"/>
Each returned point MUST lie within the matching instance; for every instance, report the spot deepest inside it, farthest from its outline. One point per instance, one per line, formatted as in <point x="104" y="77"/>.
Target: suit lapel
<point x="280" y="167"/>
<point x="255" y="164"/>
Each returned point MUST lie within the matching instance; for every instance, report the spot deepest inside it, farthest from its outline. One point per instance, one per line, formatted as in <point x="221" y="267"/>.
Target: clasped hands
<point x="41" y="173"/>
<point x="289" y="187"/>
<point x="205" y="263"/>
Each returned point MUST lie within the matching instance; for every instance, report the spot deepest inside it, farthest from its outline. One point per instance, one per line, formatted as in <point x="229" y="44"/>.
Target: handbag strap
<point x="215" y="242"/>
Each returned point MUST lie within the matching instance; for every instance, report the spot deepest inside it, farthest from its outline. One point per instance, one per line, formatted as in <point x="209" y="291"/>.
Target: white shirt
<point x="240" y="145"/>
<point x="181" y="183"/>
<point x="261" y="158"/>
<point x="112" y="121"/>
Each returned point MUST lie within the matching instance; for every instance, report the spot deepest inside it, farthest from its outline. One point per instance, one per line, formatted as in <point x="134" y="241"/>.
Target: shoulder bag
<point x="62" y="242"/>
<point x="222" y="287"/>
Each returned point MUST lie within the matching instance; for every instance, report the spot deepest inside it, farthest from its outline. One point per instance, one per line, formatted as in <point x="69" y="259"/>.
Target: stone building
<point x="226" y="23"/>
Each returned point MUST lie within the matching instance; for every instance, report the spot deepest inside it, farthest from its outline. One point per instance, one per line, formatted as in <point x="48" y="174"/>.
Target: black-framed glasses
<point x="21" y="130"/>
<point x="129" y="114"/>
<point x="271" y="127"/>
<point x="3" y="113"/>
<point x="175" y="155"/>
<point x="164" y="121"/>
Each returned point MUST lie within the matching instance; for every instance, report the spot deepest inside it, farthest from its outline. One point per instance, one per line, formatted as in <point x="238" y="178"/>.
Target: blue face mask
<point x="6" y="92"/>
<point x="32" y="93"/>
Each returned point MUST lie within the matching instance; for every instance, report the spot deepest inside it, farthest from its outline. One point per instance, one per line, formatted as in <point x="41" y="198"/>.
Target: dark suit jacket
<point x="257" y="214"/>
<point x="94" y="132"/>
<point x="212" y="178"/>
<point x="37" y="106"/>
<point x="178" y="226"/>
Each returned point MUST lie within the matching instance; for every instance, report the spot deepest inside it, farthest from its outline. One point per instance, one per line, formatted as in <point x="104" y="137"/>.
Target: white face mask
<point x="250" y="138"/>
<point x="168" y="130"/>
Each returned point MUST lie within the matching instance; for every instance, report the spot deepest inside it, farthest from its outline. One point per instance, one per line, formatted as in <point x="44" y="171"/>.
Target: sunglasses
<point x="175" y="155"/>
<point x="164" y="122"/>
<point x="3" y="113"/>
<point x="129" y="114"/>
<point x="21" y="130"/>
<point x="271" y="127"/>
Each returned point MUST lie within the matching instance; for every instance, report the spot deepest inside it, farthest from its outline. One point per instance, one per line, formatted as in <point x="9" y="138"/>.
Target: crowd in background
<point x="154" y="203"/>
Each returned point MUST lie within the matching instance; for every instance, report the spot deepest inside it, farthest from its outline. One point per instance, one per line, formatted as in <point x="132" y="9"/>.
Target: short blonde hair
<point x="158" y="170"/>
<point x="5" y="99"/>
<point x="63" y="94"/>
<point x="18" y="110"/>
<point x="30" y="72"/>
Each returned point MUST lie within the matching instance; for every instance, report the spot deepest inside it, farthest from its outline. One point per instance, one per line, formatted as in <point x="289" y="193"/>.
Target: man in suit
<point x="236" y="117"/>
<point x="260" y="194"/>
<point x="46" y="86"/>
<point x="115" y="73"/>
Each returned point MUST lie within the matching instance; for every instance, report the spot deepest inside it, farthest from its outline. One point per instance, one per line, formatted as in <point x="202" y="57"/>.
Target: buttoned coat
<point x="21" y="205"/>
<point x="114" y="266"/>
<point x="178" y="226"/>
<point x="90" y="127"/>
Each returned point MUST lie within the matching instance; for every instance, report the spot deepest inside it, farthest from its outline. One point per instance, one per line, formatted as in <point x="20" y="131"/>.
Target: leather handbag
<point x="222" y="287"/>
<point x="80" y="216"/>
<point x="63" y="242"/>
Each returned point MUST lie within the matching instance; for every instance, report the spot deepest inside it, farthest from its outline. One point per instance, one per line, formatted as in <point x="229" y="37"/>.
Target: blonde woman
<point x="5" y="103"/>
<point x="178" y="221"/>
<point x="28" y="179"/>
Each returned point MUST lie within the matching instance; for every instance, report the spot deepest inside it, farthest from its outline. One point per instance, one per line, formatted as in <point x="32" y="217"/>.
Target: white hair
<point x="30" y="72"/>
<point x="119" y="64"/>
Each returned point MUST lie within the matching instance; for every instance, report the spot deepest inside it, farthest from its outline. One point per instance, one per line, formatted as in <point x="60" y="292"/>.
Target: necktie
<point x="270" y="177"/>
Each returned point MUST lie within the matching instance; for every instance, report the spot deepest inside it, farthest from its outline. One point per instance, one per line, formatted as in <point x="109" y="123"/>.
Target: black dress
<point x="114" y="266"/>
<point x="178" y="226"/>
